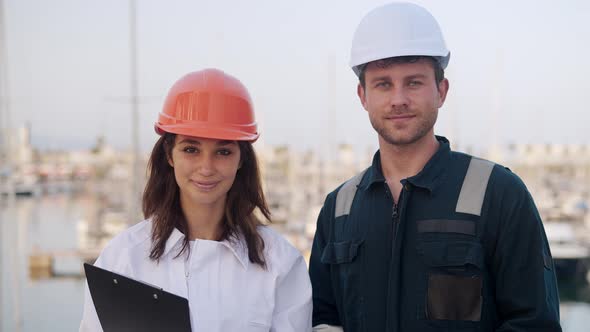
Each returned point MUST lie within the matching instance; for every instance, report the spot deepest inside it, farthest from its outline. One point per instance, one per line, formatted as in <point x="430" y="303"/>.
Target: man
<point x="426" y="239"/>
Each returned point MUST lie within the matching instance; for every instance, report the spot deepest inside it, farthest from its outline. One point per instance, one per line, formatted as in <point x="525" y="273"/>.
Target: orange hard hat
<point x="211" y="104"/>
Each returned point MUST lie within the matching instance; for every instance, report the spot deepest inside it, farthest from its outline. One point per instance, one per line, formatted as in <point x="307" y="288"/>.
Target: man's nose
<point x="398" y="98"/>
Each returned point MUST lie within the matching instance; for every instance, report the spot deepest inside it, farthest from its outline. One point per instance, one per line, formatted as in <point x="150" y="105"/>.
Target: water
<point x="575" y="306"/>
<point x="37" y="225"/>
<point x="51" y="223"/>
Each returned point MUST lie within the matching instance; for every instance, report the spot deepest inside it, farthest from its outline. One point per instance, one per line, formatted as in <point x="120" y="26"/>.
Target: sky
<point x="518" y="72"/>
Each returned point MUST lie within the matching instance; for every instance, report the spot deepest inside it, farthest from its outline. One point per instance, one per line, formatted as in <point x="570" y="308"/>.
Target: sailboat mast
<point x="3" y="148"/>
<point x="135" y="171"/>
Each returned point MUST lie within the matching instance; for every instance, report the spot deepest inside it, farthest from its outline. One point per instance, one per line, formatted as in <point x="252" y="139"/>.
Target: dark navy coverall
<point x="433" y="262"/>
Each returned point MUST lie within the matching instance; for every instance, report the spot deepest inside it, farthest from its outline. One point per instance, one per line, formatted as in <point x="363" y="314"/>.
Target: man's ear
<point x="443" y="89"/>
<point x="360" y="91"/>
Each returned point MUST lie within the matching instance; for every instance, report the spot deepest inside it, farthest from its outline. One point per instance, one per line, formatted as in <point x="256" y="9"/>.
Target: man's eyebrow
<point x="380" y="78"/>
<point x="416" y="76"/>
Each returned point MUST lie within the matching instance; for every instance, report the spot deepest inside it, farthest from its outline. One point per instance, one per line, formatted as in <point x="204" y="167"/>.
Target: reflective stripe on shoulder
<point x="474" y="186"/>
<point x="345" y="195"/>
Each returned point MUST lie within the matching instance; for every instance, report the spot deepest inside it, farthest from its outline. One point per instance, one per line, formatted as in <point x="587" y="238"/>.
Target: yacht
<point x="571" y="256"/>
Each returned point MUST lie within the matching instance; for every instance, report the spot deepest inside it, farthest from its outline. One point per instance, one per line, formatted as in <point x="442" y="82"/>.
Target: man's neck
<point x="402" y="161"/>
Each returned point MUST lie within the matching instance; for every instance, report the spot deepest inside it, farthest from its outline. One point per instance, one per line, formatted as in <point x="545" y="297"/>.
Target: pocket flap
<point x="340" y="252"/>
<point x="452" y="253"/>
<point x="446" y="226"/>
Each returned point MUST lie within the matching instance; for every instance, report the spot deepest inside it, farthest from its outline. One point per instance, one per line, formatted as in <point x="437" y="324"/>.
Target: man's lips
<point x="400" y="117"/>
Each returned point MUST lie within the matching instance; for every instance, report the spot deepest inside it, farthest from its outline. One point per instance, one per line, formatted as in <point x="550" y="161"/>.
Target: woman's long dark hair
<point x="161" y="202"/>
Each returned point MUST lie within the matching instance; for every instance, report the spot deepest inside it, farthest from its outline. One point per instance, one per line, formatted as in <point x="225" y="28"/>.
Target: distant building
<point x="558" y="176"/>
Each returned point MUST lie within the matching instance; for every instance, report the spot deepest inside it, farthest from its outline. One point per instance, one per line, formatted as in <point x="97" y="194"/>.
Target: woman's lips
<point x="205" y="185"/>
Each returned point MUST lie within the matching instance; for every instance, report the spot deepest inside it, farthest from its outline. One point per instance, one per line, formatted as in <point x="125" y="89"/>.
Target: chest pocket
<point x="341" y="252"/>
<point x="454" y="280"/>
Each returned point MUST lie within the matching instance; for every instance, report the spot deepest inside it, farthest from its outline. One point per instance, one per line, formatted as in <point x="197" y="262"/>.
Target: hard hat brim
<point x="443" y="60"/>
<point x="222" y="133"/>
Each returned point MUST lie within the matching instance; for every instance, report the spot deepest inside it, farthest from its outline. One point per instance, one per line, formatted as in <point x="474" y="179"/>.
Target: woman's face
<point x="204" y="169"/>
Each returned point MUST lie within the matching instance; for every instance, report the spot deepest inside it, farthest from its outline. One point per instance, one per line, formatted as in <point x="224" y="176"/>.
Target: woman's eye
<point x="189" y="149"/>
<point x="224" y="152"/>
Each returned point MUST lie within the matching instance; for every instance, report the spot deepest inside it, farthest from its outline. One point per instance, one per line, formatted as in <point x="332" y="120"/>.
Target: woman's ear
<point x="170" y="160"/>
<point x="168" y="147"/>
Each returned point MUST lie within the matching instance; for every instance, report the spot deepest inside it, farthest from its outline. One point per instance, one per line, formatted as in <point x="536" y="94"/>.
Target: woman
<point x="202" y="239"/>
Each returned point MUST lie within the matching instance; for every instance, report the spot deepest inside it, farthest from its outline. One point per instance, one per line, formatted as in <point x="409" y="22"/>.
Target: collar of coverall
<point x="429" y="178"/>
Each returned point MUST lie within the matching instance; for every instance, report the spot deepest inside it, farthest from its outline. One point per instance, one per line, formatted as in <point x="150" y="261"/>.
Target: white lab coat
<point x="226" y="292"/>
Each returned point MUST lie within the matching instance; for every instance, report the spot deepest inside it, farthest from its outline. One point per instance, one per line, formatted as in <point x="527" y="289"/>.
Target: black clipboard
<point x="125" y="304"/>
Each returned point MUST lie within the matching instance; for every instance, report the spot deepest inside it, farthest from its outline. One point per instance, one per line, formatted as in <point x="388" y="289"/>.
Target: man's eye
<point x="415" y="83"/>
<point x="382" y="85"/>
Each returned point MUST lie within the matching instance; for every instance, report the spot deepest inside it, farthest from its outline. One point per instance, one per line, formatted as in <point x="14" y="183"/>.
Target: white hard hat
<point x="397" y="29"/>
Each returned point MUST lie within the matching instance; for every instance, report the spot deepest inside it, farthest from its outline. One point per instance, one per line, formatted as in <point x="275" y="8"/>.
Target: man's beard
<point x="389" y="133"/>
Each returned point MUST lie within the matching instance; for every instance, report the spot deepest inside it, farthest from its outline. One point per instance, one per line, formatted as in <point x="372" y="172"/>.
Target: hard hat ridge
<point x="397" y="29"/>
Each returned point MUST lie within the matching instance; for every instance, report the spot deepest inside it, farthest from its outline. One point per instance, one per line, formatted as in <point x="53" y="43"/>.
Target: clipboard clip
<point x="155" y="295"/>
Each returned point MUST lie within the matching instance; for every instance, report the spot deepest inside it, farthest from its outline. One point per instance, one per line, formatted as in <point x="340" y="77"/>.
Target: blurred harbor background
<point x="60" y="208"/>
<point x="81" y="84"/>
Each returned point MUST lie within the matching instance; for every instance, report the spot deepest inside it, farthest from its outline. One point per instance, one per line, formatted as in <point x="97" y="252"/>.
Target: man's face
<point x="402" y="100"/>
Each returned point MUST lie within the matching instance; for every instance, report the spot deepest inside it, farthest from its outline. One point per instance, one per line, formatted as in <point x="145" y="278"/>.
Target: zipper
<point x="395" y="221"/>
<point x="395" y="218"/>
<point x="394" y="211"/>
